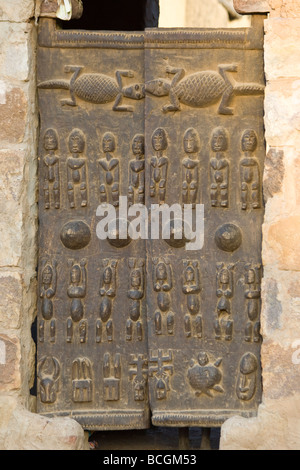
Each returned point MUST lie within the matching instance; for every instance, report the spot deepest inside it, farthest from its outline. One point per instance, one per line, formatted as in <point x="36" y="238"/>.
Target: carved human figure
<point x="190" y="179"/>
<point x="51" y="166"/>
<point x="161" y="368"/>
<point x="219" y="169"/>
<point x="109" y="171"/>
<point x="107" y="293"/>
<point x="77" y="291"/>
<point x="136" y="188"/>
<point x="191" y="288"/>
<point x="76" y="168"/>
<point x="162" y="284"/>
<point x="252" y="303"/>
<point x="48" y="371"/>
<point x="139" y="376"/>
<point x="224" y="293"/>
<point x="249" y="172"/>
<point x="47" y="293"/>
<point x="82" y="383"/>
<point x="48" y="289"/>
<point x="159" y="165"/>
<point x="135" y="294"/>
<point x="246" y="379"/>
<point x="111" y="378"/>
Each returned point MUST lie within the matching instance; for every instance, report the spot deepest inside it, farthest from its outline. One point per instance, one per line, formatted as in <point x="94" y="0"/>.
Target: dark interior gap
<point x="116" y="15"/>
<point x="157" y="438"/>
<point x="33" y="390"/>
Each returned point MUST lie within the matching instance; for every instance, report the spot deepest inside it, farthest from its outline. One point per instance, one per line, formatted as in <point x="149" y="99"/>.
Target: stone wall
<point x="278" y="423"/>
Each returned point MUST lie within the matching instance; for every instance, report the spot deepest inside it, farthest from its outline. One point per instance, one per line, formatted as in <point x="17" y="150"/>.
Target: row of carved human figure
<point x="162" y="279"/>
<point x="203" y="376"/>
<point x="109" y="166"/>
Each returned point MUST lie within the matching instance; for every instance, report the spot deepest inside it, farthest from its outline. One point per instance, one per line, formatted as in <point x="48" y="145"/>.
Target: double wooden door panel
<point x="132" y="330"/>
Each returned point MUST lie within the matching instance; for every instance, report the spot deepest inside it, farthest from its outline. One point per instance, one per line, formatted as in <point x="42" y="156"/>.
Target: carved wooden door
<point x="136" y="329"/>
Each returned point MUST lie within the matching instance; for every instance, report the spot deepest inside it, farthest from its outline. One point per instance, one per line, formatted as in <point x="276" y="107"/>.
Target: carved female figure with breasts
<point x="249" y="171"/>
<point x="191" y="143"/>
<point x="77" y="289"/>
<point x="159" y="165"/>
<point x="48" y="290"/>
<point x="51" y="164"/>
<point x="136" y="188"/>
<point x="252" y="296"/>
<point x="109" y="174"/>
<point x="47" y="293"/>
<point x="162" y="283"/>
<point x="224" y="293"/>
<point x="191" y="288"/>
<point x="219" y="169"/>
<point x="76" y="168"/>
<point x="107" y="292"/>
<point x="135" y="294"/>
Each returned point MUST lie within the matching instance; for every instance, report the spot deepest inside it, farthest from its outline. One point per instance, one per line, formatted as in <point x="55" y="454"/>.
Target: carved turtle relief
<point x="204" y="376"/>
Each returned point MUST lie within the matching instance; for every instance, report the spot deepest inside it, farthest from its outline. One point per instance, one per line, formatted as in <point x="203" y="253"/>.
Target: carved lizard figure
<point x="201" y="89"/>
<point x="97" y="88"/>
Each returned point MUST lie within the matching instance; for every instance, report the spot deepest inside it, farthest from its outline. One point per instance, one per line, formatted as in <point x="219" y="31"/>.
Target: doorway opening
<point x="117" y="15"/>
<point x="136" y="15"/>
